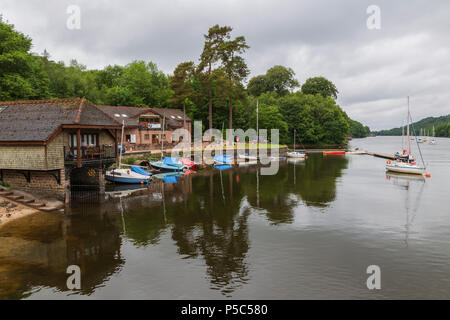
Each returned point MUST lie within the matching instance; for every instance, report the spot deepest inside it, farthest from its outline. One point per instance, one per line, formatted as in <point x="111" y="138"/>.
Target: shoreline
<point x="11" y="210"/>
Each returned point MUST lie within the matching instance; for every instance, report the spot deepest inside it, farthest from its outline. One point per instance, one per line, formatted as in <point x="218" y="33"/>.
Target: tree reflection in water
<point x="311" y="182"/>
<point x="205" y="214"/>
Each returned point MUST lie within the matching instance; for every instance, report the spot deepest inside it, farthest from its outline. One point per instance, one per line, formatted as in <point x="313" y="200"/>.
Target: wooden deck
<point x="382" y="155"/>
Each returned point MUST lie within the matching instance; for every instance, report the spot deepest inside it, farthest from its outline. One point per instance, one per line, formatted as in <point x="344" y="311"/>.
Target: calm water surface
<point x="308" y="232"/>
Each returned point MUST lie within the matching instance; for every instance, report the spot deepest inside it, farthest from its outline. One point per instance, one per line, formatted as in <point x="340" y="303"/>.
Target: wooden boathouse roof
<point x="36" y="121"/>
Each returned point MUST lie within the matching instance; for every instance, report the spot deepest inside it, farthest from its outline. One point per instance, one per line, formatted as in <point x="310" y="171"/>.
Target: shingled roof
<point x="37" y="120"/>
<point x="132" y="113"/>
<point x="173" y="116"/>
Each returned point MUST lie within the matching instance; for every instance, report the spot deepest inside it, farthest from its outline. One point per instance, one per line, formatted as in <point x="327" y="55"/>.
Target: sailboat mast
<point x="294" y="140"/>
<point x="163" y="136"/>
<point x="121" y="144"/>
<point x="257" y="126"/>
<point x="407" y="131"/>
<point x="403" y="136"/>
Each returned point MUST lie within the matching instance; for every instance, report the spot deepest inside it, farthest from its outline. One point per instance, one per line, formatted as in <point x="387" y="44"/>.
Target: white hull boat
<point x="126" y="176"/>
<point x="296" y="154"/>
<point x="404" y="164"/>
<point x="403" y="167"/>
<point x="246" y="156"/>
<point x="356" y="152"/>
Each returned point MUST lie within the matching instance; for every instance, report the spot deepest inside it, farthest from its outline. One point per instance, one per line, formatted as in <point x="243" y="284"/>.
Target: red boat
<point x="188" y="163"/>
<point x="334" y="153"/>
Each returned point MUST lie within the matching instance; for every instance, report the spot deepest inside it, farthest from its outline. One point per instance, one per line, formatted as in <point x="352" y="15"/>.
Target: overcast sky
<point x="374" y="70"/>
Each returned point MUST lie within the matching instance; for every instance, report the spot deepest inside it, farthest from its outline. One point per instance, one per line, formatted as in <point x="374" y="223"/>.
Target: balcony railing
<point x="89" y="153"/>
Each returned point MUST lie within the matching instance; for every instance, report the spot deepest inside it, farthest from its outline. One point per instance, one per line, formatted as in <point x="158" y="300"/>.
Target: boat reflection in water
<point x="409" y="183"/>
<point x="204" y="215"/>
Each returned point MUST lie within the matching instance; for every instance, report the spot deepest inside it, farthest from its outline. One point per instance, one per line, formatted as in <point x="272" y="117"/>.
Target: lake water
<point x="308" y="232"/>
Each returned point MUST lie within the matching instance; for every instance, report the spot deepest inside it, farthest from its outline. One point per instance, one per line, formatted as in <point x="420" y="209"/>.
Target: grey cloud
<point x="373" y="70"/>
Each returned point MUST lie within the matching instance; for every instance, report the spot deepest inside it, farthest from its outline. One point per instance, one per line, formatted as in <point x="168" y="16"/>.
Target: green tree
<point x="209" y="59"/>
<point x="317" y="120"/>
<point x="21" y="73"/>
<point x="148" y="85"/>
<point x="180" y="84"/>
<point x="281" y="80"/>
<point x="257" y="85"/>
<point x="357" y="129"/>
<point x="277" y="79"/>
<point x="234" y="67"/>
<point x="120" y="96"/>
<point x="320" y="85"/>
<point x="271" y="118"/>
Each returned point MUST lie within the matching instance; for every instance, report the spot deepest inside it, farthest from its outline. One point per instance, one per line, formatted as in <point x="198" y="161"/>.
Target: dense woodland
<point x="212" y="89"/>
<point x="441" y="125"/>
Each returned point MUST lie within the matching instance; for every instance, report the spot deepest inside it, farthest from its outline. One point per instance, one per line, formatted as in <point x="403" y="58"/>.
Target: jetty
<point x="382" y="155"/>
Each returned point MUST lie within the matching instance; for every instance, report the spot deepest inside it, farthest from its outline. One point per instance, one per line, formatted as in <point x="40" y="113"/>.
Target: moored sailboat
<point x="433" y="140"/>
<point x="404" y="164"/>
<point x="296" y="154"/>
<point x="129" y="176"/>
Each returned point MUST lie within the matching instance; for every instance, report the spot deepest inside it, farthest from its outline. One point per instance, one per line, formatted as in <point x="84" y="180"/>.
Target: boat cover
<point x="140" y="171"/>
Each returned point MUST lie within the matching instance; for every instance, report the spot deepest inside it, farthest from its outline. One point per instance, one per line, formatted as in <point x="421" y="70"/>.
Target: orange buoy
<point x="388" y="162"/>
<point x="428" y="175"/>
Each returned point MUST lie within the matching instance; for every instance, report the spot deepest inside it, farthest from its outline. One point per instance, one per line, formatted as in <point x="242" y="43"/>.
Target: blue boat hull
<point x="118" y="179"/>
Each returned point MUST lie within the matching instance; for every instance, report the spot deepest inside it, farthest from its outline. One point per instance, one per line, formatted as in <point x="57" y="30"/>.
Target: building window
<point x="155" y="138"/>
<point x="146" y="137"/>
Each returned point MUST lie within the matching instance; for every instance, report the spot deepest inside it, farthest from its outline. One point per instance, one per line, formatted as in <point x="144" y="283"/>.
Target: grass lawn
<point x="248" y="146"/>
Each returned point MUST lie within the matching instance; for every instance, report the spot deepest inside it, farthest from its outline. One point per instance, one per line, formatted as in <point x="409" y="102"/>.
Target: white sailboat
<point x="406" y="166"/>
<point x="296" y="154"/>
<point x="433" y="140"/>
<point x="120" y="175"/>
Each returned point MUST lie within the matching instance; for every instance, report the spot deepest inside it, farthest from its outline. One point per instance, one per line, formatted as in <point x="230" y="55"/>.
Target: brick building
<point x="143" y="126"/>
<point x="45" y="145"/>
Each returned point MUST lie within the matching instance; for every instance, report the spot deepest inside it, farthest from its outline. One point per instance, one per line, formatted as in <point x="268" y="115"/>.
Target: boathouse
<point x="48" y="145"/>
<point x="144" y="126"/>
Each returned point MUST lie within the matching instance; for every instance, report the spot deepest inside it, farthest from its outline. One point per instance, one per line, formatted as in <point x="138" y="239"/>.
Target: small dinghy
<point x="246" y="156"/>
<point x="188" y="163"/>
<point x="223" y="159"/>
<point x="168" y="177"/>
<point x="168" y="164"/>
<point x="296" y="154"/>
<point x="140" y="170"/>
<point x="222" y="167"/>
<point x="334" y="153"/>
<point x="126" y="176"/>
<point x="356" y="151"/>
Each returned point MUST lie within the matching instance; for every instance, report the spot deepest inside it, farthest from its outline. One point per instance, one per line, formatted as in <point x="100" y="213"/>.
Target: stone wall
<point x="41" y="183"/>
